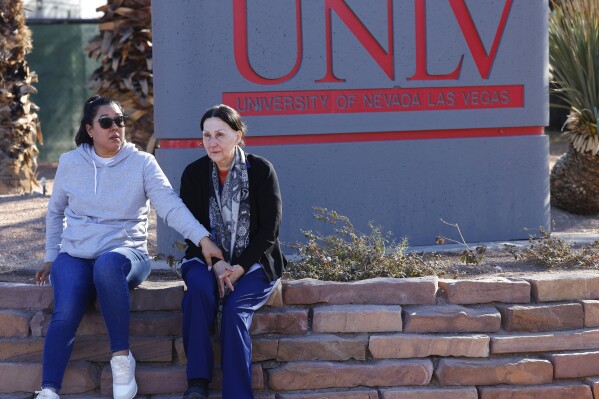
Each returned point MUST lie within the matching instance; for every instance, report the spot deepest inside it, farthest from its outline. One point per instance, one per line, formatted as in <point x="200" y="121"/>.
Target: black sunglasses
<point x="106" y="122"/>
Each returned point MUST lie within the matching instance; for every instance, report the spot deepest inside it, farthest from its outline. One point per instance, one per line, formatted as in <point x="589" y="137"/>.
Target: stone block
<point x="350" y="394"/>
<point x="257" y="378"/>
<point x="25" y="296"/>
<point x="14" y="323"/>
<point x="21" y="350"/>
<point x="544" y="342"/>
<point x="591" y="313"/>
<point x="322" y="347"/>
<point x="405" y="346"/>
<point x="430" y="393"/>
<point x="182" y="357"/>
<point x="357" y="318"/>
<point x="562" y="287"/>
<point x="80" y="377"/>
<point x="91" y="324"/>
<point x="566" y="391"/>
<point x="486" y="290"/>
<point x="39" y="323"/>
<point x="383" y="291"/>
<point x="575" y="364"/>
<point x="264" y="349"/>
<point x="280" y="321"/>
<point x="451" y="318"/>
<point x="157" y="296"/>
<point x="27" y="377"/>
<point x="150" y="380"/>
<point x="323" y="375"/>
<point x="20" y="377"/>
<point x="538" y="318"/>
<point x="215" y="395"/>
<point x="218" y="395"/>
<point x="275" y="300"/>
<point x="594" y="384"/>
<point x="511" y="371"/>
<point x="170" y="379"/>
<point x="144" y="349"/>
<point x="180" y="351"/>
<point x="155" y="324"/>
<point x="142" y="324"/>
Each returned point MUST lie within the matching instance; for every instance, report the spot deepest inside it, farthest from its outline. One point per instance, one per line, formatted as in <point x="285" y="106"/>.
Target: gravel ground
<point x="22" y="231"/>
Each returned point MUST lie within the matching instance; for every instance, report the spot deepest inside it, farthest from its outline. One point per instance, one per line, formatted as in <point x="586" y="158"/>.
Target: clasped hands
<point x="226" y="275"/>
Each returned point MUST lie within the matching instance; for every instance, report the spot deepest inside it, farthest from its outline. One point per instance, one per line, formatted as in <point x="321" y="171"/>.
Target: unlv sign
<point x="383" y="99"/>
<point x="384" y="58"/>
<point x="399" y="112"/>
<point x="417" y="64"/>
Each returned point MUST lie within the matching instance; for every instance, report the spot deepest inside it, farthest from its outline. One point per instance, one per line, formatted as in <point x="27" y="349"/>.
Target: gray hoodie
<point x="95" y="208"/>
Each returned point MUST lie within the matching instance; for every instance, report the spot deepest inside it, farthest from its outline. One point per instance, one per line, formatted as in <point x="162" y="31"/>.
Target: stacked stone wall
<point x="495" y="338"/>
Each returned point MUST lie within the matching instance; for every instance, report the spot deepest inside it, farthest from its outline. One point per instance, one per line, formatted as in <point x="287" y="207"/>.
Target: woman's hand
<point x="210" y="250"/>
<point x="235" y="272"/>
<point x="41" y="276"/>
<point x="222" y="277"/>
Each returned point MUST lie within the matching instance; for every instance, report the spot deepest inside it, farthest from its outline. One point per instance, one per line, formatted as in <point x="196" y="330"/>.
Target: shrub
<point x="349" y="255"/>
<point x="551" y="252"/>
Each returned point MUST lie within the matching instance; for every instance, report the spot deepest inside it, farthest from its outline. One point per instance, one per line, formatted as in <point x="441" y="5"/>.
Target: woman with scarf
<point x="236" y="195"/>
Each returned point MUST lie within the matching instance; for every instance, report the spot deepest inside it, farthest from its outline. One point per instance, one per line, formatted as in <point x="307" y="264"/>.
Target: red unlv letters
<point x="384" y="58"/>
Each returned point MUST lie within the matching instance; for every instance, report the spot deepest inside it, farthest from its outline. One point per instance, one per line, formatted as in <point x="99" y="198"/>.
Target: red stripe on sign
<point x="302" y="102"/>
<point x="366" y="137"/>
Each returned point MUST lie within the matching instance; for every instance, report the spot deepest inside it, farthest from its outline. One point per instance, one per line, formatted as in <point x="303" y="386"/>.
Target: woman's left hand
<point x="235" y="272"/>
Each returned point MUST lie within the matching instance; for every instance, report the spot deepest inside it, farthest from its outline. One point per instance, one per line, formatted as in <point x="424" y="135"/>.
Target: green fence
<point x="63" y="68"/>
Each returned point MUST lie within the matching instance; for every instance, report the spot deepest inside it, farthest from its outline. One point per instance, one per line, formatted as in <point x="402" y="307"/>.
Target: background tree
<point x="19" y="123"/>
<point x="574" y="62"/>
<point x="124" y="47"/>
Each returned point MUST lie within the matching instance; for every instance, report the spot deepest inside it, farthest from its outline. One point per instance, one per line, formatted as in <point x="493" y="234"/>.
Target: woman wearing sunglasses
<point x="237" y="195"/>
<point x="96" y="239"/>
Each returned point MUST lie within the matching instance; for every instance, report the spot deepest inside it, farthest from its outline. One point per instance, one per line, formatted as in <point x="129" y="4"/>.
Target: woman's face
<point x="220" y="141"/>
<point x="107" y="141"/>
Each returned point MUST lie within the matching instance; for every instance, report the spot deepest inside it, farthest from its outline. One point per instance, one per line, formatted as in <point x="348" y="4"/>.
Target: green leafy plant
<point x="349" y="255"/>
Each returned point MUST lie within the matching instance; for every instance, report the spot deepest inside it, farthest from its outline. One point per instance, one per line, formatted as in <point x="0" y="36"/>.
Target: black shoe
<point x="196" y="393"/>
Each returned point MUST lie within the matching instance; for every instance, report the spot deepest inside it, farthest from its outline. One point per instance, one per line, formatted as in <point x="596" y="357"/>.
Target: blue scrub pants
<point x="76" y="282"/>
<point x="200" y="304"/>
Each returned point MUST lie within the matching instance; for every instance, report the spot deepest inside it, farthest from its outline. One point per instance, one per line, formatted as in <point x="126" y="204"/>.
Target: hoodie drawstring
<point x="95" y="176"/>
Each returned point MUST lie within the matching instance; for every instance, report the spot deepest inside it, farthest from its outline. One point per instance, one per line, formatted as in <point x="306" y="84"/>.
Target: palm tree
<point x="124" y="46"/>
<point x="574" y="62"/>
<point x="19" y="123"/>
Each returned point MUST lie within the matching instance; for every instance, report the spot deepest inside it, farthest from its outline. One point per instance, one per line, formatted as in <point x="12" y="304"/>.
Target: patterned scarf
<point x="230" y="211"/>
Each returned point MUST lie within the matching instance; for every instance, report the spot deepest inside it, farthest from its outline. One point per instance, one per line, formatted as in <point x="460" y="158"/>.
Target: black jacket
<point x="265" y="212"/>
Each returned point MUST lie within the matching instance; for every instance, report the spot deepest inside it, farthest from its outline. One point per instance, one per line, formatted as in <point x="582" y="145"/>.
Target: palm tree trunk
<point x="575" y="182"/>
<point x="19" y="124"/>
<point x="124" y="47"/>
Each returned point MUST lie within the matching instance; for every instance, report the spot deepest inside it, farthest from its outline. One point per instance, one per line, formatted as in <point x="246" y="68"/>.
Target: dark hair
<point x="228" y="115"/>
<point x="89" y="112"/>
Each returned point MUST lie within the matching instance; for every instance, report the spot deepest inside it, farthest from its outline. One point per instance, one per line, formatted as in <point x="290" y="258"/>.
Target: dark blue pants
<point x="199" y="306"/>
<point x="76" y="282"/>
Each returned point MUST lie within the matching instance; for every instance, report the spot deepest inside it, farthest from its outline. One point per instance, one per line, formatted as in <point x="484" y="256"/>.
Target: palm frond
<point x="574" y="63"/>
<point x="124" y="48"/>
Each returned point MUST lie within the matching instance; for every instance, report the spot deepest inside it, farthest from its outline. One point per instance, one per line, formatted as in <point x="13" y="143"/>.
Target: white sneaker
<point x="46" y="393"/>
<point x="123" y="377"/>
